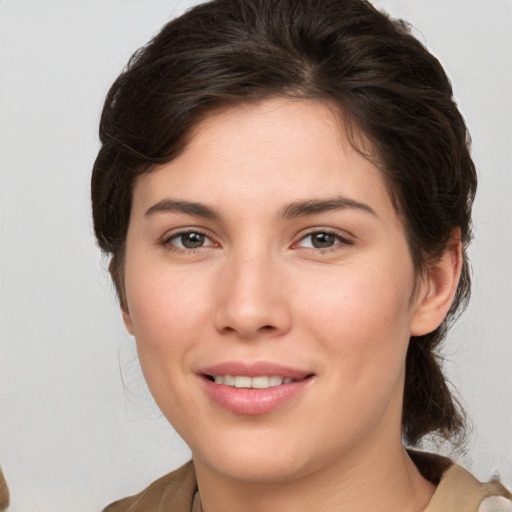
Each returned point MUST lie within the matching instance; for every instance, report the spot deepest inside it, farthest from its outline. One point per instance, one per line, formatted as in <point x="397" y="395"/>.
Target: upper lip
<point x="254" y="369"/>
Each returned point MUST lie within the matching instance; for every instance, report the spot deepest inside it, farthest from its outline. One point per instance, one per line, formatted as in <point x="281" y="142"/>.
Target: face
<point x="270" y="290"/>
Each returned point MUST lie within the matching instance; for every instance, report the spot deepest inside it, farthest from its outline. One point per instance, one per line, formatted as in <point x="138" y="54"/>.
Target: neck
<point x="381" y="481"/>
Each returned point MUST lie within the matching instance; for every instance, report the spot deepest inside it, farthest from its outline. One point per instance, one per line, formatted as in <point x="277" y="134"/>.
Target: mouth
<point x="254" y="388"/>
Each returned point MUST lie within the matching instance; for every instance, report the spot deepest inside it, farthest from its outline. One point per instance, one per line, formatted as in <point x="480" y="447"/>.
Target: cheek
<point x="361" y="316"/>
<point x="167" y="310"/>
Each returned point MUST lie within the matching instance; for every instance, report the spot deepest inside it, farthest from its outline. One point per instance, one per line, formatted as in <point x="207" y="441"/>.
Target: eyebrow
<point x="316" y="206"/>
<point x="187" y="207"/>
<point x="289" y="211"/>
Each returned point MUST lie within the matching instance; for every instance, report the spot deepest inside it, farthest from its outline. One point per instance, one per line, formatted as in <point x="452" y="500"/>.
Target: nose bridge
<point x="251" y="298"/>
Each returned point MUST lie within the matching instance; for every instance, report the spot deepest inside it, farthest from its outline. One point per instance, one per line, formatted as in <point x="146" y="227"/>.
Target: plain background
<point x="78" y="428"/>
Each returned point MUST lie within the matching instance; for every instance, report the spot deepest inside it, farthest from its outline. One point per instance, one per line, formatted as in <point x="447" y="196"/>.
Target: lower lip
<point x="254" y="401"/>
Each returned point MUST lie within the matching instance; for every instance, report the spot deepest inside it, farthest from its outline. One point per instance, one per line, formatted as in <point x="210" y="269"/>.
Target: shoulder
<point x="458" y="490"/>
<point x="173" y="492"/>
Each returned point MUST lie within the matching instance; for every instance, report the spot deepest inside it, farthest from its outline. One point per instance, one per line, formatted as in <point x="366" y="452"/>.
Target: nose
<point x="252" y="300"/>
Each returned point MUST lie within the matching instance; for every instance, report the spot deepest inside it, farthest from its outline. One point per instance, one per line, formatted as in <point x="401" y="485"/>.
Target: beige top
<point x="457" y="490"/>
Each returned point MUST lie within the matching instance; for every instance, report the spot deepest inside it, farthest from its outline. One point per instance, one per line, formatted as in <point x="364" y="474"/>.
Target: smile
<point x="244" y="381"/>
<point x="254" y="388"/>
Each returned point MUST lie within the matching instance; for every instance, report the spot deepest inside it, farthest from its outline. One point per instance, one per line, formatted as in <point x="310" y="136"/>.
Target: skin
<point x="258" y="289"/>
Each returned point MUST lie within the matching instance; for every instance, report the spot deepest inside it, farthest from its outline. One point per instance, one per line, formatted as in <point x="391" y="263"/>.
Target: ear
<point x="118" y="280"/>
<point x="437" y="289"/>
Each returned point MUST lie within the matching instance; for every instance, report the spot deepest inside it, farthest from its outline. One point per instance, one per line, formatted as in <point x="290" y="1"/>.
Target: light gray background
<point x="73" y="436"/>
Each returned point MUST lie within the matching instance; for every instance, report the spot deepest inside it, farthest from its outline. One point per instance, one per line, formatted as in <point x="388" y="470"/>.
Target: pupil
<point x="192" y="240"/>
<point x="323" y="240"/>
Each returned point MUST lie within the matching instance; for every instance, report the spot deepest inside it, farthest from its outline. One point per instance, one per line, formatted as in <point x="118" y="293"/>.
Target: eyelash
<point x="168" y="241"/>
<point x="338" y="240"/>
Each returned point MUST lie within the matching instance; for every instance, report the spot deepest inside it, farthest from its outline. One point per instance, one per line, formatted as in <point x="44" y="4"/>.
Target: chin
<point x="258" y="469"/>
<point x="263" y="457"/>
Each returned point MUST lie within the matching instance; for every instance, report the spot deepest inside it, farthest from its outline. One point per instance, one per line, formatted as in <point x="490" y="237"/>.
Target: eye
<point x="322" y="240"/>
<point x="189" y="240"/>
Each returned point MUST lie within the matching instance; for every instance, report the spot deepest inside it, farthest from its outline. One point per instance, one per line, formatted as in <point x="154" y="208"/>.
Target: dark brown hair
<point x="384" y="83"/>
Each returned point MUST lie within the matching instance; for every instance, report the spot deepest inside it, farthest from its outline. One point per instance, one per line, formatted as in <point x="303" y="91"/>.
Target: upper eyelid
<point x="178" y="232"/>
<point x="167" y="237"/>
<point x="342" y="234"/>
<point x="342" y="240"/>
<point x="171" y="233"/>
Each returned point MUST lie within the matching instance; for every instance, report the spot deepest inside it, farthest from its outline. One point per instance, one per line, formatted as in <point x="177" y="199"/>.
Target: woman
<point x="285" y="189"/>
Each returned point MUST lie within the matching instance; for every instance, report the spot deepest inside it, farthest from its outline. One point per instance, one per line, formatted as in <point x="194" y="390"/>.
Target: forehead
<point x="279" y="149"/>
<point x="282" y="118"/>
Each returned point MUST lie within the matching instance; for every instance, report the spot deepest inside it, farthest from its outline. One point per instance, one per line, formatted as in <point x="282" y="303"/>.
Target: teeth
<point x="228" y="380"/>
<point x="242" y="382"/>
<point x="260" y="382"/>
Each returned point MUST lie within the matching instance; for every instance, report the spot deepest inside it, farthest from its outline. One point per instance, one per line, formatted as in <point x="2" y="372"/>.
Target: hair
<point x="383" y="82"/>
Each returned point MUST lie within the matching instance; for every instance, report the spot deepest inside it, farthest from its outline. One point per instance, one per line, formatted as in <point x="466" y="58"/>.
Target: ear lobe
<point x="127" y="319"/>
<point x="118" y="280"/>
<point x="438" y="289"/>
